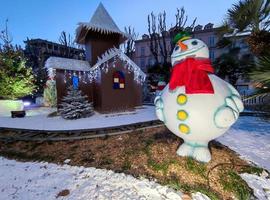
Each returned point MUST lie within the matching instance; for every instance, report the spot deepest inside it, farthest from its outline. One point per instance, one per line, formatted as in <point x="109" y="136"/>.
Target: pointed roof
<point x="139" y="75"/>
<point x="101" y="22"/>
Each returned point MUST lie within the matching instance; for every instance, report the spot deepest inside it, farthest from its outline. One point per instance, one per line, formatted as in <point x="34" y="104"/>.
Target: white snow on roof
<point x="114" y="52"/>
<point x="101" y="21"/>
<point x="67" y="64"/>
<point x="237" y="34"/>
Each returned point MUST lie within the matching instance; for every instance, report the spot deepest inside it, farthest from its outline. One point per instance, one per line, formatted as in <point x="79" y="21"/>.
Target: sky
<point x="46" y="19"/>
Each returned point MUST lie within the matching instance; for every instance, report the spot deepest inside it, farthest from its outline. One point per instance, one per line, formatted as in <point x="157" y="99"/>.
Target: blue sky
<point x="47" y="18"/>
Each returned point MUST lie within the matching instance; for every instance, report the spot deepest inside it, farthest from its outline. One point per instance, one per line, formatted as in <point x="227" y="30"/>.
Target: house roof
<point x="139" y="75"/>
<point x="93" y="72"/>
<point x="101" y="22"/>
<point x="67" y="64"/>
<point x="237" y="34"/>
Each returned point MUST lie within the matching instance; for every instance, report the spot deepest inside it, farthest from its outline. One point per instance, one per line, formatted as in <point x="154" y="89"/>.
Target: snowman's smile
<point x="187" y="52"/>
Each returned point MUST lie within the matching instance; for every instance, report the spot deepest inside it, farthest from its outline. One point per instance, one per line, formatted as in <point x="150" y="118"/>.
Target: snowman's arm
<point x="159" y="108"/>
<point x="235" y="96"/>
<point x="227" y="114"/>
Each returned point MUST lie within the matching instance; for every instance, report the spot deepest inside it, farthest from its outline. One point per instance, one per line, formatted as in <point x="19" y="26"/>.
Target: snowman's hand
<point x="238" y="102"/>
<point x="227" y="114"/>
<point x="236" y="98"/>
<point x="159" y="108"/>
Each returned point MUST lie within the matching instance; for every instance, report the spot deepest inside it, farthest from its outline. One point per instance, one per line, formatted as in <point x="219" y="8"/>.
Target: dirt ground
<point x="150" y="154"/>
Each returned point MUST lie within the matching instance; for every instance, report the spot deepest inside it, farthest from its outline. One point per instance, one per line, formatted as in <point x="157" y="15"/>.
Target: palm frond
<point x="262" y="71"/>
<point x="249" y="14"/>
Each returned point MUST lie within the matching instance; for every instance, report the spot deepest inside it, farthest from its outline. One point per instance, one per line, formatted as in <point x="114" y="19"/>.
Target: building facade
<point x="144" y="58"/>
<point x="37" y="51"/>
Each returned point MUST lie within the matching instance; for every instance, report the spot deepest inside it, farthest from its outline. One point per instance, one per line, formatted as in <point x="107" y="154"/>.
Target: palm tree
<point x="253" y="16"/>
<point x="261" y="73"/>
<point x="231" y="66"/>
<point x="250" y="15"/>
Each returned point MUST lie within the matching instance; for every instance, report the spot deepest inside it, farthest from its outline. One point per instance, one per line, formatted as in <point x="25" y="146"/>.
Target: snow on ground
<point x="250" y="137"/>
<point x="27" y="180"/>
<point x="260" y="185"/>
<point x="38" y="120"/>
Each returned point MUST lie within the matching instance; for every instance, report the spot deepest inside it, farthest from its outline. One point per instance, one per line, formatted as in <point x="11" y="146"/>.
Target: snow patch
<point x="260" y="185"/>
<point x="38" y="120"/>
<point x="250" y="137"/>
<point x="28" y="180"/>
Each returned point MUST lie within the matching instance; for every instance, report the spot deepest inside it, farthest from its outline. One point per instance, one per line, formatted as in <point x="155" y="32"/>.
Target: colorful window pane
<point x="118" y="80"/>
<point x="75" y="82"/>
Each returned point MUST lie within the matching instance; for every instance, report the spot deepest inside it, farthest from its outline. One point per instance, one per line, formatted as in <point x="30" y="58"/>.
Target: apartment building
<point x="144" y="58"/>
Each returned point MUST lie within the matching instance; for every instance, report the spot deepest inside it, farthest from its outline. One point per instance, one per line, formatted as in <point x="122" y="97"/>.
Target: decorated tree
<point x="16" y="79"/>
<point x="75" y="105"/>
<point x="49" y="94"/>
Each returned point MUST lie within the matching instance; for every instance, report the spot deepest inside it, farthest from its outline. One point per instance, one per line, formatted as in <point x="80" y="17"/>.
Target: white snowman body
<point x="198" y="118"/>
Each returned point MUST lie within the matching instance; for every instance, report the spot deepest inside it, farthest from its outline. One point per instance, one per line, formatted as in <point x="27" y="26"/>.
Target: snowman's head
<point x="189" y="47"/>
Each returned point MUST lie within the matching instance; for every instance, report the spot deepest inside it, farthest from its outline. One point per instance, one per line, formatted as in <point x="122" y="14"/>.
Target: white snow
<point x="67" y="64"/>
<point x="38" y="120"/>
<point x="250" y="137"/>
<point x="260" y="185"/>
<point x="101" y="21"/>
<point x="28" y="180"/>
<point x="139" y="75"/>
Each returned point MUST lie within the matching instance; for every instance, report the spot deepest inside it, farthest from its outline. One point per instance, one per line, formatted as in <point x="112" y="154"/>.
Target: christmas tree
<point x="49" y="94"/>
<point x="16" y="79"/>
<point x="75" y="105"/>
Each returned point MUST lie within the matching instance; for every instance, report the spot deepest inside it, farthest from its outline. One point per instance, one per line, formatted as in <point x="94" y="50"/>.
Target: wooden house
<point x="110" y="79"/>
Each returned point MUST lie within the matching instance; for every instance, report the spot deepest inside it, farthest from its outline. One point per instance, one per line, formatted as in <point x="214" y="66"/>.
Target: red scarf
<point x="193" y="74"/>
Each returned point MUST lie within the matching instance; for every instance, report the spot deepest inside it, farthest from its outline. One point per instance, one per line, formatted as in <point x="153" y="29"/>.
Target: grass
<point x="232" y="182"/>
<point x="176" y="184"/>
<point x="126" y="165"/>
<point x="151" y="154"/>
<point x="156" y="166"/>
<point x="196" y="167"/>
<point x="105" y="160"/>
<point x="163" y="166"/>
<point x="35" y="156"/>
<point x="252" y="170"/>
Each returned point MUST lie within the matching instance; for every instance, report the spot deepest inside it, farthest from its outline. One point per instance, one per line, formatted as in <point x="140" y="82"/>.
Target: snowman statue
<point x="196" y="105"/>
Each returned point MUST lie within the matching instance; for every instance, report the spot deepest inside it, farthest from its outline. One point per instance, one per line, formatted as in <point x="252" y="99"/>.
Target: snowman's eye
<point x="194" y="42"/>
<point x="176" y="48"/>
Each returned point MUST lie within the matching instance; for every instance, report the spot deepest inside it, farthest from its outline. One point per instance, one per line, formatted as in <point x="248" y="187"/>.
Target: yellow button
<point x="182" y="115"/>
<point x="183" y="128"/>
<point x="181" y="99"/>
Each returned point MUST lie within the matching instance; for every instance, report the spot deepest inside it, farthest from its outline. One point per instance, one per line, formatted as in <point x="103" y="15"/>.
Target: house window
<point x="118" y="80"/>
<point x="212" y="55"/>
<point x="211" y="41"/>
<point x="142" y="51"/>
<point x="75" y="82"/>
<point x="142" y="63"/>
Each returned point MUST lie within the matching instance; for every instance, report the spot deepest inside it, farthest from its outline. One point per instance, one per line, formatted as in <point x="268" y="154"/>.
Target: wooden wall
<point x="106" y="99"/>
<point x="97" y="44"/>
<point x="114" y="100"/>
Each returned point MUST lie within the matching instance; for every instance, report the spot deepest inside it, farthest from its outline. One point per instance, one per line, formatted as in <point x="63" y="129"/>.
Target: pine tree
<point x="50" y="94"/>
<point x="16" y="78"/>
<point x="75" y="105"/>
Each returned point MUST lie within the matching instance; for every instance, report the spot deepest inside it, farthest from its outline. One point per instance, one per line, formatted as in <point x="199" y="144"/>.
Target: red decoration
<point x="161" y="87"/>
<point x="193" y="74"/>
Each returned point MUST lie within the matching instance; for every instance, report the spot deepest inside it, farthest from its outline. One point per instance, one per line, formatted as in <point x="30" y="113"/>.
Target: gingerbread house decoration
<point x="109" y="78"/>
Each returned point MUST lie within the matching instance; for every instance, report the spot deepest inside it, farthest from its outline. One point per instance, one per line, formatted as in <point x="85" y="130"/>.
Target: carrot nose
<point x="182" y="46"/>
